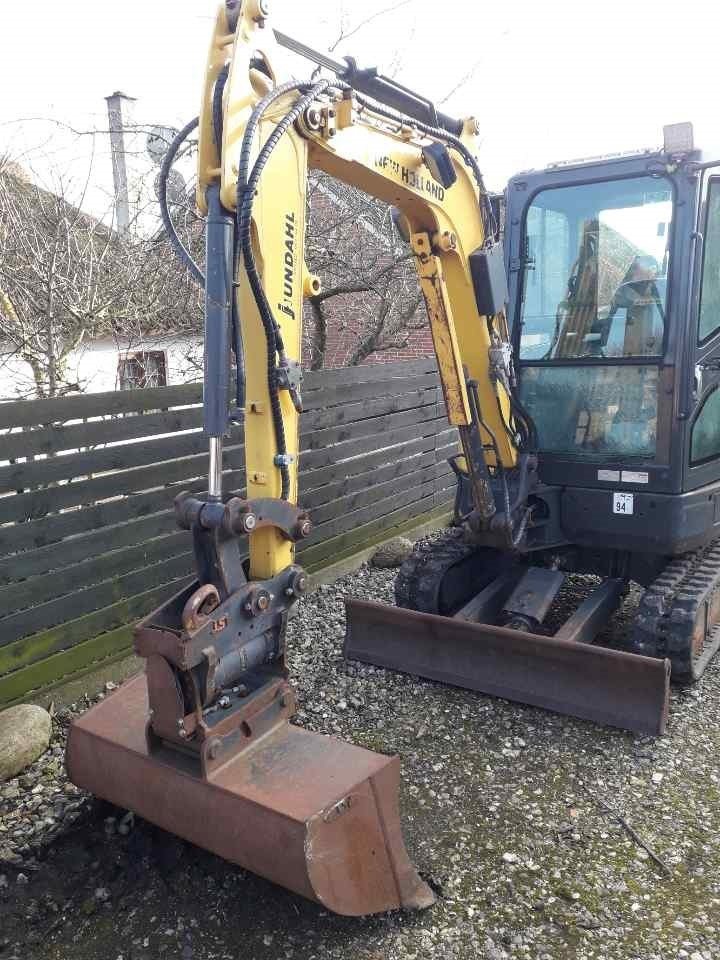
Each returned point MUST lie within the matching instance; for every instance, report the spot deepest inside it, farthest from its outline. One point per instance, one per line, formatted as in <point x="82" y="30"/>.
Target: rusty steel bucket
<point x="305" y="811"/>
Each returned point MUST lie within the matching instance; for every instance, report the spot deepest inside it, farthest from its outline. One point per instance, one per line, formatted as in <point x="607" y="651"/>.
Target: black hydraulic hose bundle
<point x="217" y="106"/>
<point x="245" y="200"/>
<point x="244" y="165"/>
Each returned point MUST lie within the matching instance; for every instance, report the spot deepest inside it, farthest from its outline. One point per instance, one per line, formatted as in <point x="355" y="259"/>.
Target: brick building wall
<point x="341" y="344"/>
<point x="335" y="223"/>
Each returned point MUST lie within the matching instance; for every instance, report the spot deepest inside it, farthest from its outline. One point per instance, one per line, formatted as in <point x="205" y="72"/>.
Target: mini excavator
<point x="588" y="442"/>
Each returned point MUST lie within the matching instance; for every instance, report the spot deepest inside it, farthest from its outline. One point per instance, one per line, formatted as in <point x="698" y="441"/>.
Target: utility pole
<point x="118" y="106"/>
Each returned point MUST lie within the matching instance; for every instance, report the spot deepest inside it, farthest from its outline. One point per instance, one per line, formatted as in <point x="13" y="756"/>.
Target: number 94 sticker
<point x="623" y="503"/>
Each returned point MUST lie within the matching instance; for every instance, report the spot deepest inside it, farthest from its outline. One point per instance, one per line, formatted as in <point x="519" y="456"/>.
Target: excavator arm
<point x="259" y="137"/>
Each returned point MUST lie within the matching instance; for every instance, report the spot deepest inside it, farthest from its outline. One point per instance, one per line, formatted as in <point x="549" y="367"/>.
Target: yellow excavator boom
<point x="444" y="214"/>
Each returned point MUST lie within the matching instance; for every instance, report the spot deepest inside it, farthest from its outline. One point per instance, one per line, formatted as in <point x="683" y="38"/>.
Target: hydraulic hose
<point x="179" y="247"/>
<point x="451" y="140"/>
<point x="246" y="197"/>
<point x="244" y="161"/>
<point x="217" y="106"/>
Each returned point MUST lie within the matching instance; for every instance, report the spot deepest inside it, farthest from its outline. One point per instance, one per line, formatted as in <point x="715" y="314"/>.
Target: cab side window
<point x="705" y="441"/>
<point x="709" y="322"/>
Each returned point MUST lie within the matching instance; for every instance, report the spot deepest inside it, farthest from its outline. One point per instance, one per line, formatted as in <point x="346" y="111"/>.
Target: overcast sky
<point x="546" y="80"/>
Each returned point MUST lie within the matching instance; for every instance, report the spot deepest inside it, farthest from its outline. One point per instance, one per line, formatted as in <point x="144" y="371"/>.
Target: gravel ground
<point x="522" y="820"/>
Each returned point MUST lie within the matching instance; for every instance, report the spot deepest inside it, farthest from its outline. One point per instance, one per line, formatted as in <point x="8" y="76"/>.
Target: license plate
<point x="623" y="503"/>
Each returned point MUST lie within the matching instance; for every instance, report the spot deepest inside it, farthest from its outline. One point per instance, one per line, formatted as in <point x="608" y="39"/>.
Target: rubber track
<point x="668" y="611"/>
<point x="420" y="578"/>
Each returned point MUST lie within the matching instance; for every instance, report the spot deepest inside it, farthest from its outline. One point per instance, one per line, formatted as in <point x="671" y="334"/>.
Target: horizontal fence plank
<point x="87" y="599"/>
<point x="35" y="473"/>
<point x="347" y="450"/>
<point x="33" y="534"/>
<point x="350" y="542"/>
<point x="334" y="396"/>
<point x="59" y="437"/>
<point x="375" y="427"/>
<point x="48" y="671"/>
<point x="46" y="530"/>
<point x="47" y="586"/>
<point x="37" y="503"/>
<point x="56" y="556"/>
<point x="30" y="413"/>
<point x="367" y="480"/>
<point x="332" y="472"/>
<point x="347" y="505"/>
<point x="71" y="632"/>
<point x="340" y="524"/>
<point x="338" y="376"/>
<point x="323" y="417"/>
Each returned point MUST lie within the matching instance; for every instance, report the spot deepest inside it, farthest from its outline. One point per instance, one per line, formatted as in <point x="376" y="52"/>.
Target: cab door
<point x="703" y="453"/>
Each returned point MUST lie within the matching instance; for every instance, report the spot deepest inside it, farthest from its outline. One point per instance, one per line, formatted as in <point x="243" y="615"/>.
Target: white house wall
<point x="94" y="366"/>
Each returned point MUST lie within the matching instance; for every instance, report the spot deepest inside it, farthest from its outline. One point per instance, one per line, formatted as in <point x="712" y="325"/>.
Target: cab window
<point x="710" y="289"/>
<point x="705" y="440"/>
<point x="596" y="267"/>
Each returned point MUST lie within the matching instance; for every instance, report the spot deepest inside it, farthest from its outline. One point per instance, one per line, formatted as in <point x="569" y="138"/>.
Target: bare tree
<point x="370" y="297"/>
<point x="66" y="277"/>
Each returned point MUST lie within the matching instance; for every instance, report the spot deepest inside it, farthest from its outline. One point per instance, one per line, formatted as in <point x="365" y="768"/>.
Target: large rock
<point x="24" y="736"/>
<point x="392" y="553"/>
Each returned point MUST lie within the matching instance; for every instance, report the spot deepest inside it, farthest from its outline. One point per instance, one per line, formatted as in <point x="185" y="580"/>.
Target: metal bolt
<point x="301" y="584"/>
<point x="289" y="592"/>
<point x="224" y="702"/>
<point x="263" y="601"/>
<point x="182" y="732"/>
<point x="249" y="522"/>
<point x="305" y="528"/>
<point x="313" y="118"/>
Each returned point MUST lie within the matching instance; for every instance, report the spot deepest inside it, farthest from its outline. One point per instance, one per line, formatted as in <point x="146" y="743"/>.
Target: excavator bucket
<point x="558" y="673"/>
<point x="305" y="811"/>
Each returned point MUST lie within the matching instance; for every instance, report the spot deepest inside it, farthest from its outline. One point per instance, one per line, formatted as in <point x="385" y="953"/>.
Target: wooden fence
<point x="88" y="541"/>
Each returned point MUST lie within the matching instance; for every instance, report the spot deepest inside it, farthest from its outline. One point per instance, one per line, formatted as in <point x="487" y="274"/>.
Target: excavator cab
<point x="613" y="280"/>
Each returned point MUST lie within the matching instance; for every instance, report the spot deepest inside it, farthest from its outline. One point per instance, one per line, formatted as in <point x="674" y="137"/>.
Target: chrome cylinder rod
<point x="215" y="468"/>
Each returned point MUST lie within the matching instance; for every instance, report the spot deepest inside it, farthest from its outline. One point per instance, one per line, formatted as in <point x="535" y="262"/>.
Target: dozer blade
<point x="307" y="812"/>
<point x="607" y="686"/>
